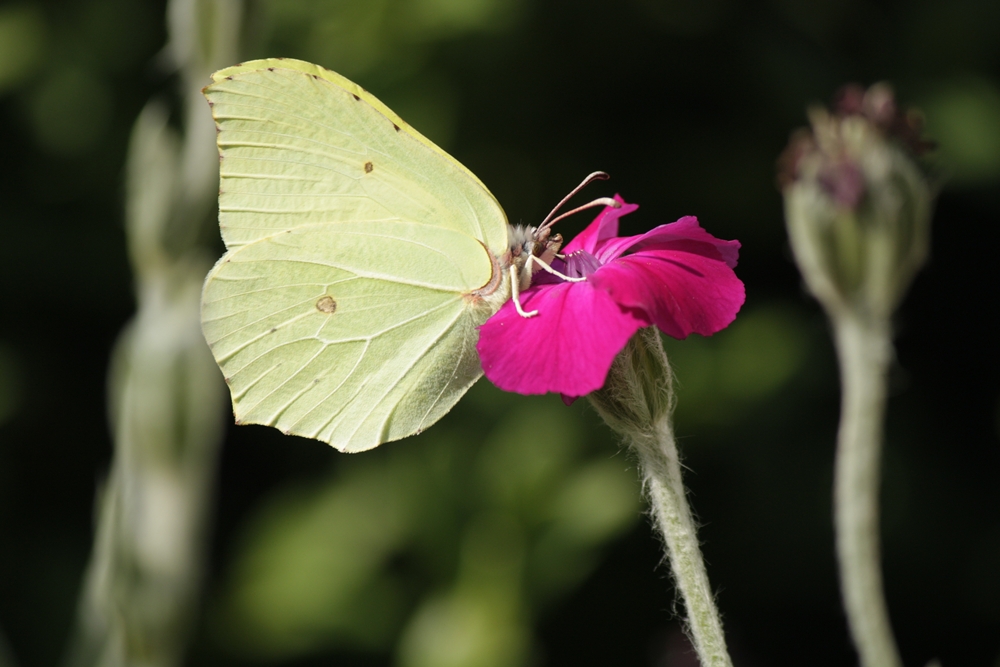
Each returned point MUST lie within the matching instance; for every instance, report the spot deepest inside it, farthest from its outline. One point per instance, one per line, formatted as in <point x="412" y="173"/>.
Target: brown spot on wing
<point x="368" y="167"/>
<point x="326" y="305"/>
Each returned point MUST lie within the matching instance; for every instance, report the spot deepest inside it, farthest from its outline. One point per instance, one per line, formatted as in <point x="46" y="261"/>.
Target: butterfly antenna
<point x="596" y="176"/>
<point x="600" y="201"/>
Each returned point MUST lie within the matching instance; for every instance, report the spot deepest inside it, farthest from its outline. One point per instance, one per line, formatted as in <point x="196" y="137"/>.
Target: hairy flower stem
<point x="637" y="402"/>
<point x="661" y="471"/>
<point x="864" y="348"/>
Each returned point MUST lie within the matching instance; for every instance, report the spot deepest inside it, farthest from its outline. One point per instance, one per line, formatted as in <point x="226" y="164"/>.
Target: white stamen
<point x="548" y="268"/>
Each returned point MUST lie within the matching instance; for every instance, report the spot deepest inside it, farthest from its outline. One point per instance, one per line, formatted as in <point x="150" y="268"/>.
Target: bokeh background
<point x="512" y="533"/>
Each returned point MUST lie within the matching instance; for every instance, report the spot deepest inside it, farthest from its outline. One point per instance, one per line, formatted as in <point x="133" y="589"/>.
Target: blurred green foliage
<point x="454" y="541"/>
<point x="502" y="535"/>
<point x="723" y="377"/>
<point x="963" y="116"/>
<point x="22" y="40"/>
<point x="392" y="37"/>
<point x="70" y="111"/>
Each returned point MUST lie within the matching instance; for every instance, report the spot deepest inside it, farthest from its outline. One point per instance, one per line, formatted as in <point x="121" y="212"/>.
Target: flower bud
<point x="857" y="205"/>
<point x="637" y="397"/>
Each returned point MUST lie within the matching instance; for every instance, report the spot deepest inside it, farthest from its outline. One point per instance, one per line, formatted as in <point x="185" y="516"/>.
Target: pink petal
<point x="567" y="347"/>
<point x="604" y="226"/>
<point x="681" y="292"/>
<point x="685" y="234"/>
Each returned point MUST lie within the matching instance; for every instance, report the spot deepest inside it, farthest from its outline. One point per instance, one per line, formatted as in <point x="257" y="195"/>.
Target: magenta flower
<point x="677" y="276"/>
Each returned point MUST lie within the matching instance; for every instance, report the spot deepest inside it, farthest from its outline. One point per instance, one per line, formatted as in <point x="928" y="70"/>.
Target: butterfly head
<point x="526" y="242"/>
<point x="532" y="249"/>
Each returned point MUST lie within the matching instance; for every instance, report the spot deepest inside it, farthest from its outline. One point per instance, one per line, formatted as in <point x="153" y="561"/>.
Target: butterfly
<point x="361" y="259"/>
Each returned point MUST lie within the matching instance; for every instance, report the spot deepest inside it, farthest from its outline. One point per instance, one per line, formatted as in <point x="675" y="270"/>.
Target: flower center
<point x="580" y="264"/>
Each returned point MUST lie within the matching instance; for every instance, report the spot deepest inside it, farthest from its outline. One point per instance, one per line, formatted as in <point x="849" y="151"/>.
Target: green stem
<point x="637" y="401"/>
<point x="661" y="472"/>
<point x="865" y="350"/>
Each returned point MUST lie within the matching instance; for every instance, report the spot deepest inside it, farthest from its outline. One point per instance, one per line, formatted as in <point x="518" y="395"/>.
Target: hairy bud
<point x="857" y="205"/>
<point x="637" y="398"/>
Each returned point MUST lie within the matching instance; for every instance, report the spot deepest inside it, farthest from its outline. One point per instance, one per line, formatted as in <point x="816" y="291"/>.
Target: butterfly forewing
<point x="298" y="149"/>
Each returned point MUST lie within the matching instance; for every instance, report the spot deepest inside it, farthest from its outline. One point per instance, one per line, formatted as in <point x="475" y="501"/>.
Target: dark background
<point x="687" y="105"/>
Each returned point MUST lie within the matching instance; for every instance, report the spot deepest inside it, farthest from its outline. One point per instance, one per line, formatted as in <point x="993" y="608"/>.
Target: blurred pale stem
<point x="864" y="348"/>
<point x="858" y="210"/>
<point x="637" y="402"/>
<point x="165" y="394"/>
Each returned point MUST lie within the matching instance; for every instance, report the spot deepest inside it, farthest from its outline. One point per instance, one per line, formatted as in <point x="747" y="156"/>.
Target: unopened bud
<point x="857" y="205"/>
<point x="637" y="397"/>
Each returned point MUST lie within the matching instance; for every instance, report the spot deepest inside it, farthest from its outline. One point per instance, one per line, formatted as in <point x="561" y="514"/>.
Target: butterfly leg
<point x="515" y="289"/>
<point x="548" y="268"/>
